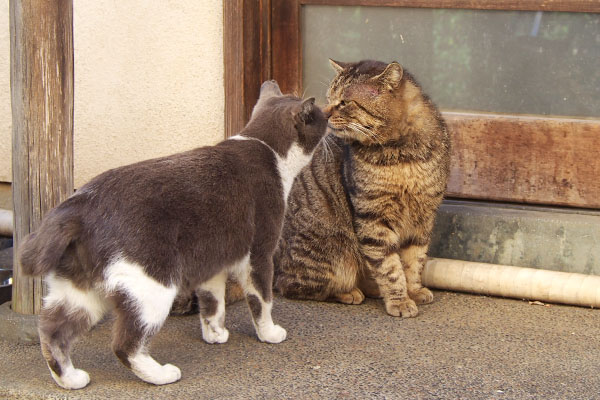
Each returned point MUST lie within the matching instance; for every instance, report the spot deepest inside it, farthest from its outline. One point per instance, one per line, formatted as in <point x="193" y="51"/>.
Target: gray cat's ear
<point x="305" y="111"/>
<point x="391" y="76"/>
<point x="337" y="66"/>
<point x="269" y="89"/>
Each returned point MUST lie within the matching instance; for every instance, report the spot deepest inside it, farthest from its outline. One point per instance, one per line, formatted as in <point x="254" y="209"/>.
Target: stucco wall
<point x="148" y="81"/>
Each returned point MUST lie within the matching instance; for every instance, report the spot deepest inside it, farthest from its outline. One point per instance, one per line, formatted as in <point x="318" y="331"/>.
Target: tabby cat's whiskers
<point x="364" y="131"/>
<point x="327" y="149"/>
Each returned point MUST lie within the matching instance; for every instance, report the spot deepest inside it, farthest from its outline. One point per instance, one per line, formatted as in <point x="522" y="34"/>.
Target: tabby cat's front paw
<point x="401" y="308"/>
<point x="421" y="296"/>
<point x="355" y="296"/>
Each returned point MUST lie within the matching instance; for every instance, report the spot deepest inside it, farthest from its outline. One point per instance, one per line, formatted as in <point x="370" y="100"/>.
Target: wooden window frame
<point x="246" y="56"/>
<point x="497" y="157"/>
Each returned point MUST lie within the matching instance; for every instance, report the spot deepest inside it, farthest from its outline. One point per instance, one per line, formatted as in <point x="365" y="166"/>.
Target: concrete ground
<point x="460" y="347"/>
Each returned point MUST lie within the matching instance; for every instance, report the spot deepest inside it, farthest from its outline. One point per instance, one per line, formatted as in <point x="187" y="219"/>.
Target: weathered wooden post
<point x="41" y="76"/>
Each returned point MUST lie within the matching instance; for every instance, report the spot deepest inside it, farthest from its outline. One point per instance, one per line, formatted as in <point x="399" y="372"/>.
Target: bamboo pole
<point x="509" y="281"/>
<point x="41" y="76"/>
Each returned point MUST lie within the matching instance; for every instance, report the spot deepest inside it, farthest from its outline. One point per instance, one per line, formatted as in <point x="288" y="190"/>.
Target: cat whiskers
<point x="332" y="141"/>
<point x="364" y="131"/>
<point x="304" y="94"/>
<point x="324" y="83"/>
<point x="327" y="148"/>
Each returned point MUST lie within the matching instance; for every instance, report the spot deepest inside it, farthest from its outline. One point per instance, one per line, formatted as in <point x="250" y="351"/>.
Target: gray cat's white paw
<point x="160" y="374"/>
<point x="72" y="379"/>
<point x="170" y="374"/>
<point x="148" y="370"/>
<point x="272" y="334"/>
<point x="219" y="335"/>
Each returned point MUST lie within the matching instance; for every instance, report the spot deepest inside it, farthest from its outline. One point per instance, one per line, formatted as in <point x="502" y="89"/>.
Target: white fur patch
<point x="266" y="330"/>
<point x="148" y="370"/>
<point x="240" y="137"/>
<point x="62" y="292"/>
<point x="72" y="378"/>
<point x="290" y="166"/>
<point x="153" y="299"/>
<point x="241" y="268"/>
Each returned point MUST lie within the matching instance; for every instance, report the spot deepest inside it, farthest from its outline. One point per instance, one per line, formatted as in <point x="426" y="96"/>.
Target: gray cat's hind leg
<point x="211" y="302"/>
<point x="130" y="344"/>
<point x="68" y="312"/>
<point x="142" y="305"/>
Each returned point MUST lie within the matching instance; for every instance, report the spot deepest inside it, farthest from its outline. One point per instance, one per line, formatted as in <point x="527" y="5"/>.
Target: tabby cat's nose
<point x="327" y="111"/>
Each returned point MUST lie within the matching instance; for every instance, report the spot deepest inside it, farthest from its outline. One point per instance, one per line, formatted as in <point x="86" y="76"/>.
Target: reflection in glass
<point x="518" y="62"/>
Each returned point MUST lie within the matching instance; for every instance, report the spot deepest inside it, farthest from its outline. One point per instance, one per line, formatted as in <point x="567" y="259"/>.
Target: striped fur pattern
<point x="360" y="216"/>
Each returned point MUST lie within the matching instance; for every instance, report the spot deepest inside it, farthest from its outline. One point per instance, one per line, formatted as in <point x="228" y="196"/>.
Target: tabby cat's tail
<point x="41" y="251"/>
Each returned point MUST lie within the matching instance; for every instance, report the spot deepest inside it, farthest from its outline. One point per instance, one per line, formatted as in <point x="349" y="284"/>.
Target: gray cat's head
<point x="281" y="120"/>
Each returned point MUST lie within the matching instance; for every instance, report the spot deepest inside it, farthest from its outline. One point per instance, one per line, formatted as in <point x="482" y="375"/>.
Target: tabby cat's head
<point x="281" y="120"/>
<point x="369" y="101"/>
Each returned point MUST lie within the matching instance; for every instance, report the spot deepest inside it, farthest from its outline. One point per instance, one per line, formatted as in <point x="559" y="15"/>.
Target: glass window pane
<point x="518" y="62"/>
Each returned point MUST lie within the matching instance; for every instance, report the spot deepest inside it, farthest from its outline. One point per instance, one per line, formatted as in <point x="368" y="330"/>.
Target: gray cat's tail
<point x="41" y="251"/>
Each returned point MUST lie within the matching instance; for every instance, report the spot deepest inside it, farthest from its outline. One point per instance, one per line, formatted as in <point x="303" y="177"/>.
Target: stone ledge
<point x="19" y="328"/>
<point x="526" y="236"/>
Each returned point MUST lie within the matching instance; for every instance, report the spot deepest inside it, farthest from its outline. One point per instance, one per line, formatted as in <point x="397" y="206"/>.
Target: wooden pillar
<point x="41" y="76"/>
<point x="247" y="57"/>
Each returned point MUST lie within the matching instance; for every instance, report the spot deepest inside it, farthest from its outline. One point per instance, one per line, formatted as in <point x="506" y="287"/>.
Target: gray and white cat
<point x="135" y="236"/>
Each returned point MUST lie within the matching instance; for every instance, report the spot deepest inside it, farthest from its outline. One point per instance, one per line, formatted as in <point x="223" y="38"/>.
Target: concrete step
<point x="527" y="236"/>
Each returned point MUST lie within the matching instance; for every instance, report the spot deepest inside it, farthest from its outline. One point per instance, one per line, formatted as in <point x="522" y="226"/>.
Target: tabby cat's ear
<point x="391" y="76"/>
<point x="305" y="111"/>
<point x="337" y="66"/>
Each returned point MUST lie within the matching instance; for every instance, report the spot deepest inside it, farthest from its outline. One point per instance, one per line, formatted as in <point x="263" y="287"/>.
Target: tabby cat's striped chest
<point x="398" y="194"/>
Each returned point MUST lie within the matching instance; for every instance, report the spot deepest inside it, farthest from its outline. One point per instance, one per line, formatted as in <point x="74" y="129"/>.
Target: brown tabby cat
<point x="359" y="220"/>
